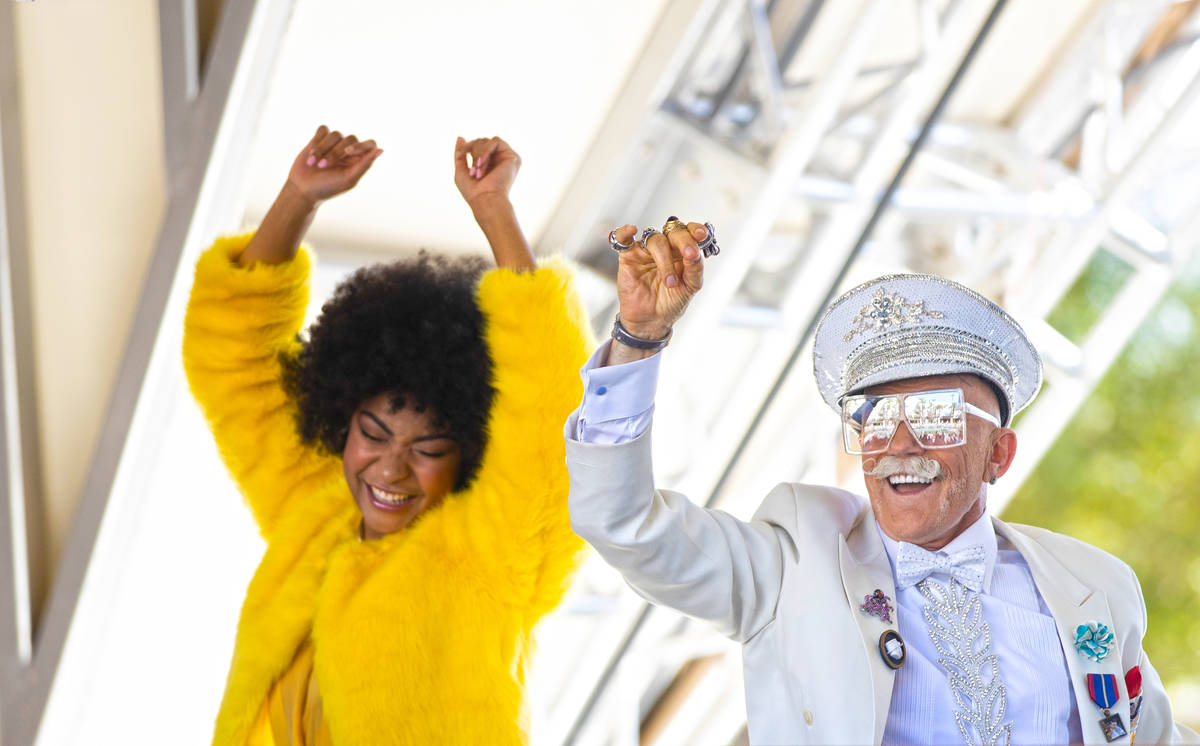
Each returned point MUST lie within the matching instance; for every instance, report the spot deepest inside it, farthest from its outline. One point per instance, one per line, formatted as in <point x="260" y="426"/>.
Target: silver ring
<point x="646" y="234"/>
<point x="615" y="244"/>
<point x="709" y="245"/>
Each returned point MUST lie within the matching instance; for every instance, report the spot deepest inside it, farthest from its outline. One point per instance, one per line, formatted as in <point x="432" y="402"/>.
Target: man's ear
<point x="1000" y="457"/>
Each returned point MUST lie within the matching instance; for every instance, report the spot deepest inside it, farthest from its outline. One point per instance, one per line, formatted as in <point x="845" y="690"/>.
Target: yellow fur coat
<point x="420" y="637"/>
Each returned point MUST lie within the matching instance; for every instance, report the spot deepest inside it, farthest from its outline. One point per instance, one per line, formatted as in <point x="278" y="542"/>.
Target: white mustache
<point x="922" y="468"/>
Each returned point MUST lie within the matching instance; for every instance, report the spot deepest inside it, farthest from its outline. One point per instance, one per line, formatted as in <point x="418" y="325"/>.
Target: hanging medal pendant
<point x="1102" y="689"/>
<point x="1113" y="726"/>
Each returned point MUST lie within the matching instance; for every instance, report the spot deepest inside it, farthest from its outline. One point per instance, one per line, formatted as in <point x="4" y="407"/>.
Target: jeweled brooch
<point x="877" y="604"/>
<point x="887" y="310"/>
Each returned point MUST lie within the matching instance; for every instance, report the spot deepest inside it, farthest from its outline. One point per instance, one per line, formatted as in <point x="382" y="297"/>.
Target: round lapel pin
<point x="891" y="649"/>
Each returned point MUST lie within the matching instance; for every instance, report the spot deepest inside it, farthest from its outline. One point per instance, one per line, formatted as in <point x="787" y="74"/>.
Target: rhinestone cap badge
<point x="888" y="310"/>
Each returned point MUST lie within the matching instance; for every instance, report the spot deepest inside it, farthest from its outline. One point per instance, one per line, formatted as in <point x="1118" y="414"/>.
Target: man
<point x="909" y="617"/>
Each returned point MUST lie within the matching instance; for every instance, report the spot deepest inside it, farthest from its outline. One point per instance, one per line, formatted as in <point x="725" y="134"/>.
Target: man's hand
<point x="484" y="170"/>
<point x="331" y="164"/>
<point x="655" y="283"/>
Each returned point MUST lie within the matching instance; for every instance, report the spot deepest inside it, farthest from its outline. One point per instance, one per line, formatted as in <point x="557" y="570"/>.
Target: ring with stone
<point x="673" y="224"/>
<point x="615" y="244"/>
<point x="709" y="245"/>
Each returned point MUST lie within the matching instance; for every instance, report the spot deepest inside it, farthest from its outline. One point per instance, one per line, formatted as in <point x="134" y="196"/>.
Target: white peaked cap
<point x="912" y="325"/>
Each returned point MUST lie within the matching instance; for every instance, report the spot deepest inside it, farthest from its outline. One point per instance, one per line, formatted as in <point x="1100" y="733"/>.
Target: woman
<point x="404" y="464"/>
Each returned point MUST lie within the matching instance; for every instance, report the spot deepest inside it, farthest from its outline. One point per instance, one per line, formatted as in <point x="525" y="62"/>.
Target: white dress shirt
<point x="1041" y="703"/>
<point x="618" y="405"/>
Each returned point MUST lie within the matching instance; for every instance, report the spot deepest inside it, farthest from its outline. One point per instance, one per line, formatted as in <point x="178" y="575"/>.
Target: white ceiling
<point x="413" y="75"/>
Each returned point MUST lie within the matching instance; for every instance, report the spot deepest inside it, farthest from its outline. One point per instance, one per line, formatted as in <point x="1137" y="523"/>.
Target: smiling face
<point x="931" y="513"/>
<point x="398" y="464"/>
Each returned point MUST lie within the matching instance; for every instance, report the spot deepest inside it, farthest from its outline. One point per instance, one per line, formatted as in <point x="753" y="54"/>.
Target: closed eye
<point x="368" y="436"/>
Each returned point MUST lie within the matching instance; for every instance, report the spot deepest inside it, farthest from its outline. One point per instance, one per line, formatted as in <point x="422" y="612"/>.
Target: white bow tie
<point x="914" y="564"/>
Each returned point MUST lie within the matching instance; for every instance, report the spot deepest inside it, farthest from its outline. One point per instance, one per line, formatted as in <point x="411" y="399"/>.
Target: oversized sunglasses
<point x="937" y="419"/>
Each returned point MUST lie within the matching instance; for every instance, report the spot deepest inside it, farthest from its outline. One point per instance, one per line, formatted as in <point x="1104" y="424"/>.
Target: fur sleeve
<point x="538" y="336"/>
<point x="238" y="321"/>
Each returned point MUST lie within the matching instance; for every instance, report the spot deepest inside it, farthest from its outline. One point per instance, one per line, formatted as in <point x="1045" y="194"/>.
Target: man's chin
<point x="906" y="516"/>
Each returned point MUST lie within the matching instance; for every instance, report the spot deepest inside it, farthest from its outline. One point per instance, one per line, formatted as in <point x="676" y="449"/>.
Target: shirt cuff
<point x="618" y="400"/>
<point x="617" y="392"/>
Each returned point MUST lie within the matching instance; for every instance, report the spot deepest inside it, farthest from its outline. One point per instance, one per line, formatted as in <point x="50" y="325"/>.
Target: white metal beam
<point x="1062" y="261"/>
<point x="954" y="204"/>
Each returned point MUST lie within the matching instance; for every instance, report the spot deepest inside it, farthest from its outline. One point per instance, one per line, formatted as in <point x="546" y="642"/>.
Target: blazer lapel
<point x="1072" y="603"/>
<point x="865" y="567"/>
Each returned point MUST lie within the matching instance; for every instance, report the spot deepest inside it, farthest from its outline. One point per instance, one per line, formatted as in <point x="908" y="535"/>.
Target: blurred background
<point x="1043" y="153"/>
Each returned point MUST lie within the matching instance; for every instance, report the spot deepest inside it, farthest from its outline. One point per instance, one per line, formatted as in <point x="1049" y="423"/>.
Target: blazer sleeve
<point x="704" y="563"/>
<point x="239" y="320"/>
<point x="1156" y="723"/>
<point x="538" y="337"/>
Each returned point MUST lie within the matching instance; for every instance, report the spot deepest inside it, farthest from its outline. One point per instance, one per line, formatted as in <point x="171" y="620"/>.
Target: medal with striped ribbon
<point x="1102" y="688"/>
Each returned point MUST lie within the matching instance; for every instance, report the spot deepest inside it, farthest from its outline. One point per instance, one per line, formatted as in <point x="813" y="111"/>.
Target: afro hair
<point x="410" y="328"/>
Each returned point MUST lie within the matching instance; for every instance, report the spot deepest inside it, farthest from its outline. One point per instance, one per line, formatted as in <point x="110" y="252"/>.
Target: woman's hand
<point x="331" y="164"/>
<point x="484" y="182"/>
<point x="655" y="283"/>
<point x="490" y="172"/>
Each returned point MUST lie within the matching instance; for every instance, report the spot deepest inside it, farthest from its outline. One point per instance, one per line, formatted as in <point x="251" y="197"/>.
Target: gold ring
<point x="673" y="224"/>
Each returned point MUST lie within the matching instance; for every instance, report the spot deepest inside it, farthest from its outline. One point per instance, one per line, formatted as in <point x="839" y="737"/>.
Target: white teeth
<point x="908" y="479"/>
<point x="389" y="498"/>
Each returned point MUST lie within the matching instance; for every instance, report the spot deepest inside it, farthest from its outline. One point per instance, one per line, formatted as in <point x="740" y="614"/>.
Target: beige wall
<point x="91" y="112"/>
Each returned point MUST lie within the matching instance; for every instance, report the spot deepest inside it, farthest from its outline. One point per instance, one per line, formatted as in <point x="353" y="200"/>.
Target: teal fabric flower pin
<point x="1093" y="639"/>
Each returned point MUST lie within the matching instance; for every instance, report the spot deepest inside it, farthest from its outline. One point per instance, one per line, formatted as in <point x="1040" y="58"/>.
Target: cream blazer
<point x="787" y="585"/>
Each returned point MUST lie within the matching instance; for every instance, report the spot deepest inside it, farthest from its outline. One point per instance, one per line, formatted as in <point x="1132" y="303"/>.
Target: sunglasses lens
<point x="937" y="418"/>
<point x="868" y="422"/>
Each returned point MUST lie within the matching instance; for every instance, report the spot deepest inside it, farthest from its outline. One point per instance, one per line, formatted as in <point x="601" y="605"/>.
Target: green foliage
<point x="1124" y="475"/>
<point x="1098" y="284"/>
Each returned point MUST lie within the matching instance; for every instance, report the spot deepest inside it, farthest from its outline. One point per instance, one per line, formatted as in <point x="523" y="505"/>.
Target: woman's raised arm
<point x="329" y="165"/>
<point x="240" y="319"/>
<point x="484" y="180"/>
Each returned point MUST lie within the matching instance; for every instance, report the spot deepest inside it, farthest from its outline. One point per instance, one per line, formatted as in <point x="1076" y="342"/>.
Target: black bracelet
<point x="622" y="335"/>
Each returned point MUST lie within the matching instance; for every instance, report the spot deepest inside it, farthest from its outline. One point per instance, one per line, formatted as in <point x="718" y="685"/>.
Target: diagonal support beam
<point x="22" y="561"/>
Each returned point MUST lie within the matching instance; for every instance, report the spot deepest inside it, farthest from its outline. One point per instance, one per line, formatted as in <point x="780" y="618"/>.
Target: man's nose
<point x="904" y="442"/>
